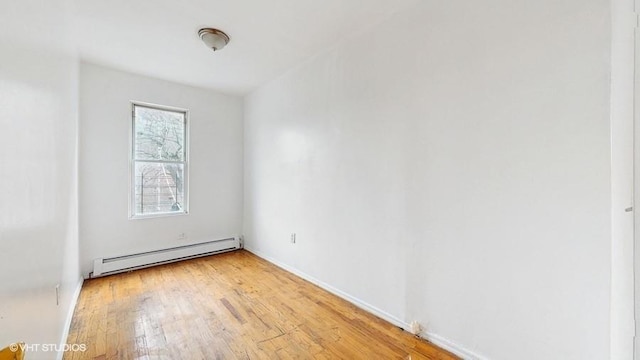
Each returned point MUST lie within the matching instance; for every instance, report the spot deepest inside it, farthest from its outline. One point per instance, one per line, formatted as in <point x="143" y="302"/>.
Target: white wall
<point x="453" y="169"/>
<point x="622" y="84"/>
<point x="38" y="158"/>
<point x="216" y="162"/>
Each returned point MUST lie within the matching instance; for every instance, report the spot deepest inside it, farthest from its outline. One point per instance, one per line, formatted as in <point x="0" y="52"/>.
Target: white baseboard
<point x="452" y="347"/>
<point x="67" y="322"/>
<point x="355" y="301"/>
<point x="431" y="337"/>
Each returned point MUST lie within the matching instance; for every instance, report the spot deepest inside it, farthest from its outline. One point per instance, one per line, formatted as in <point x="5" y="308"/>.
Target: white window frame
<point x="132" y="161"/>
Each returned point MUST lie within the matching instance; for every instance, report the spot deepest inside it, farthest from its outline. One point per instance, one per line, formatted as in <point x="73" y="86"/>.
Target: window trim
<point x="132" y="161"/>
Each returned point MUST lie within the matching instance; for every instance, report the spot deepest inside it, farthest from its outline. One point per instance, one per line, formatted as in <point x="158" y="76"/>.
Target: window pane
<point x="159" y="134"/>
<point x="159" y="188"/>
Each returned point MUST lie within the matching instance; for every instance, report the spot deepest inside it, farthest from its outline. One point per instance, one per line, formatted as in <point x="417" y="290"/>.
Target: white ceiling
<point x="159" y="38"/>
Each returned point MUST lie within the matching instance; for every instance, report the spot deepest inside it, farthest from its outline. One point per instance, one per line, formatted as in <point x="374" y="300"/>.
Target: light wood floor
<point x="229" y="306"/>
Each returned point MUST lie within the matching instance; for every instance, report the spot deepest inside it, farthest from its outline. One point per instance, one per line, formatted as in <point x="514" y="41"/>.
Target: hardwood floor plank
<point x="229" y="306"/>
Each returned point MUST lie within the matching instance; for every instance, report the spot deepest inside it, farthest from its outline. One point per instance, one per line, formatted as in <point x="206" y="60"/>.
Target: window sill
<point x="158" y="215"/>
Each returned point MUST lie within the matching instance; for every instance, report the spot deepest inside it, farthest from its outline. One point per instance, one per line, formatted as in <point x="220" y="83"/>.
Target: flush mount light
<point x="213" y="38"/>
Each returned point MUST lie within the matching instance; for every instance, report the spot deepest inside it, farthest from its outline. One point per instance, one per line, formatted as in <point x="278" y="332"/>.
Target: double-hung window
<point x="159" y="161"/>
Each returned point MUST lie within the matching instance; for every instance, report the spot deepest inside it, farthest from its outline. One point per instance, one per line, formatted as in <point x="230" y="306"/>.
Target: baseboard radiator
<point x="118" y="264"/>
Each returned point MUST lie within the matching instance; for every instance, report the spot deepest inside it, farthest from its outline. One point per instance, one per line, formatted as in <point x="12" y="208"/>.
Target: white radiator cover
<point x="118" y="264"/>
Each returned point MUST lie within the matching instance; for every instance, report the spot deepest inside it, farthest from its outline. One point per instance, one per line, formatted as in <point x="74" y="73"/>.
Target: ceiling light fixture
<point x="213" y="38"/>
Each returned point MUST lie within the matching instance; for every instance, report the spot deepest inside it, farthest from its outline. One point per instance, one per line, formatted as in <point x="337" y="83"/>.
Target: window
<point x="159" y="161"/>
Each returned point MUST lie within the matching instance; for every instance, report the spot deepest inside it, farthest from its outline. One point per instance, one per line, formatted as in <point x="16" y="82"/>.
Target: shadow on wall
<point x="38" y="211"/>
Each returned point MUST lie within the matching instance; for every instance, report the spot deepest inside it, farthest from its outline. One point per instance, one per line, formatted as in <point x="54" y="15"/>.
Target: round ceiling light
<point x="213" y="38"/>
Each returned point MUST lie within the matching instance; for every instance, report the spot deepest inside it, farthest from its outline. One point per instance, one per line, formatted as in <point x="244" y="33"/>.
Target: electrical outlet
<point x="293" y="238"/>
<point x="182" y="236"/>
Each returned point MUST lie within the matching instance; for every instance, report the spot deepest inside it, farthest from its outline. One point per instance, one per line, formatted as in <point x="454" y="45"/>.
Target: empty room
<point x="305" y="179"/>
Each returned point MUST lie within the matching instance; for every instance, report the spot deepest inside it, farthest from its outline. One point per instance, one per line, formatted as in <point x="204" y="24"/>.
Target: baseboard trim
<point x="452" y="347"/>
<point x="69" y="319"/>
<point x="431" y="337"/>
<point x="355" y="301"/>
